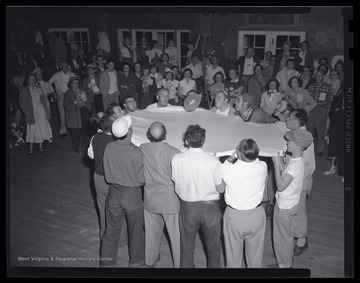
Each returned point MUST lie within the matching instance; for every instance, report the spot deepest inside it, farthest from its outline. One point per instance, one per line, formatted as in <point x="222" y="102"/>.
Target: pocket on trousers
<point x="131" y="200"/>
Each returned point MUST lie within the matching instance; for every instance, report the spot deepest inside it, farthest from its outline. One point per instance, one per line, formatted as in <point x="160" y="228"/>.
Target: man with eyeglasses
<point x="130" y="104"/>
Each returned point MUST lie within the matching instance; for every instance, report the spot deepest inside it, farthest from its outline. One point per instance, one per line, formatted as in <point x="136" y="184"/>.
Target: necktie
<point x="270" y="92"/>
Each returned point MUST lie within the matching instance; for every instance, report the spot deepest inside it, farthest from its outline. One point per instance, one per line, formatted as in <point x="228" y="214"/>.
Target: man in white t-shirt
<point x="289" y="183"/>
<point x="244" y="217"/>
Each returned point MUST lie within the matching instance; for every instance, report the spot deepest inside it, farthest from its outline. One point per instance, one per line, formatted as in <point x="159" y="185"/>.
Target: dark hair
<point x="290" y="60"/>
<point x="98" y="56"/>
<point x="305" y="42"/>
<point x="187" y="70"/>
<point x="125" y="64"/>
<point x="153" y="43"/>
<point x="105" y="123"/>
<point x="302" y="116"/>
<point x="193" y="55"/>
<point x="110" y="109"/>
<point x="325" y="59"/>
<point x="258" y="65"/>
<point x="300" y="83"/>
<point x="325" y="66"/>
<point x="236" y="71"/>
<point x="286" y="43"/>
<point x="247" y="49"/>
<point x="174" y="67"/>
<point x="110" y="61"/>
<point x="273" y="80"/>
<point x="222" y="76"/>
<point x="154" y="66"/>
<point x="162" y="55"/>
<point x="160" y="139"/>
<point x="339" y="62"/>
<point x="127" y="97"/>
<point x="269" y="52"/>
<point x="94" y="121"/>
<point x="194" y="136"/>
<point x="190" y="42"/>
<point x="321" y="71"/>
<point x="308" y="67"/>
<point x="137" y="63"/>
<point x="248" y="148"/>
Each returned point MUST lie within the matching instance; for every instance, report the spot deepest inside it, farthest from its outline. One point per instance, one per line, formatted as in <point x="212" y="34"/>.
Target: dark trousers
<point x="316" y="124"/>
<point x="54" y="118"/>
<point x="193" y="216"/>
<point x="98" y="103"/>
<point x="121" y="202"/>
<point x="81" y="132"/>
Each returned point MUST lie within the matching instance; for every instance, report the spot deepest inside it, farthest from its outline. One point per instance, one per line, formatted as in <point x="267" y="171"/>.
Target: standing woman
<point x="173" y="54"/>
<point x="77" y="113"/>
<point x="257" y="84"/>
<point x="301" y="95"/>
<point x="339" y="66"/>
<point x="32" y="103"/>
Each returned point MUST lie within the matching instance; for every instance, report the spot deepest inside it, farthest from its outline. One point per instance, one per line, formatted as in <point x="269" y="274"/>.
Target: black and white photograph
<point x="179" y="141"/>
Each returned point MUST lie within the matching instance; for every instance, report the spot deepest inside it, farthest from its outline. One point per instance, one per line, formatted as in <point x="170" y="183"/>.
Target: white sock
<point x="301" y="242"/>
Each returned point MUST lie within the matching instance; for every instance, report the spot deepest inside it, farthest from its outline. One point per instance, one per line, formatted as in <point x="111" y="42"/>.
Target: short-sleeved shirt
<point x="196" y="174"/>
<point x="245" y="183"/>
<point x="210" y="73"/>
<point x="291" y="195"/>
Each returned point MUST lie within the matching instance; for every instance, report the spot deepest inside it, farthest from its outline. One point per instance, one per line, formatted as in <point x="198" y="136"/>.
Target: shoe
<point x="331" y="171"/>
<point x="329" y="158"/>
<point x="30" y="152"/>
<point x="275" y="265"/>
<point x="319" y="154"/>
<point x="153" y="266"/>
<point x="299" y="250"/>
<point x="62" y="136"/>
<point x="50" y="140"/>
<point x="41" y="150"/>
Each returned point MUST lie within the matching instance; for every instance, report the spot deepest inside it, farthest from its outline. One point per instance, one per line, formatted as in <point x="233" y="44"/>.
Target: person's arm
<point x="90" y="151"/>
<point x="139" y="166"/>
<point x="311" y="103"/>
<point x="221" y="188"/>
<point x="219" y="182"/>
<point x="262" y="102"/>
<point x="281" y="182"/>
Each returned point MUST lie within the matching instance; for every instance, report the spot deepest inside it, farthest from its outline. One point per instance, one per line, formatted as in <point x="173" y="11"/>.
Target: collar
<point x="235" y="81"/>
<point x="192" y="149"/>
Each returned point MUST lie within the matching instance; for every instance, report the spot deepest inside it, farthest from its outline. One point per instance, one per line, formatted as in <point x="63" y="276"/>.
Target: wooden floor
<point x="53" y="219"/>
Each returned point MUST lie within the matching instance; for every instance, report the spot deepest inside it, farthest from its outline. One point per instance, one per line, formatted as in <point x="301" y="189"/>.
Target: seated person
<point x="245" y="108"/>
<point x="271" y="98"/>
<point x="222" y="106"/>
<point x="234" y="87"/>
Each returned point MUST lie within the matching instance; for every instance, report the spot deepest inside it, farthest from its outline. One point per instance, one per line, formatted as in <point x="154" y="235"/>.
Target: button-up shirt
<point x="196" y="70"/>
<point x="123" y="164"/>
<point x="322" y="94"/>
<point x="196" y="174"/>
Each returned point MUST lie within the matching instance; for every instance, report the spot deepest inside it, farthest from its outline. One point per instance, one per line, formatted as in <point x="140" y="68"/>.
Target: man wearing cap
<point x="109" y="84"/>
<point x="297" y="120"/>
<point x="161" y="204"/>
<point x="61" y="81"/>
<point x="124" y="171"/>
<point x="91" y="86"/>
<point x="162" y="97"/>
<point x="247" y="111"/>
<point x="222" y="106"/>
<point x="289" y="183"/>
<point x="198" y="181"/>
<point x="77" y="107"/>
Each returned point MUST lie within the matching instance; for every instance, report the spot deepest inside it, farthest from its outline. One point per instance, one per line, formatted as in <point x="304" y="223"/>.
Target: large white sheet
<point x="223" y="134"/>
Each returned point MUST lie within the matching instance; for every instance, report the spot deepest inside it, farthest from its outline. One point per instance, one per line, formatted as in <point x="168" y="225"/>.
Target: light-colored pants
<point x="60" y="104"/>
<point x="244" y="226"/>
<point x="300" y="220"/>
<point x="154" y="229"/>
<point x="283" y="234"/>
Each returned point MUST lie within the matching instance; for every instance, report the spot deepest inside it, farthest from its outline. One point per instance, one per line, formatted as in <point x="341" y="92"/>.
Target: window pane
<point x="57" y="33"/>
<point x="184" y="50"/>
<point x="278" y="50"/>
<point x="184" y="37"/>
<point x="138" y="36"/>
<point x="248" y="40"/>
<point x="295" y="41"/>
<point x="161" y="38"/>
<point x="77" y="36"/>
<point x="169" y="36"/>
<point x="260" y="52"/>
<point x="260" y="40"/>
<point x="280" y="39"/>
<point x="63" y="36"/>
<point x="84" y="36"/>
<point x="126" y="34"/>
<point x="183" y="61"/>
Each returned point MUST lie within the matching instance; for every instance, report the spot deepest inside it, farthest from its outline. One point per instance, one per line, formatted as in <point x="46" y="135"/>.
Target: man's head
<point x="319" y="76"/>
<point x="307" y="71"/>
<point x="194" y="136"/>
<point x="64" y="66"/>
<point x="73" y="54"/>
<point x="324" y="60"/>
<point x="137" y="67"/>
<point x="267" y="55"/>
<point x="247" y="150"/>
<point x="57" y="59"/>
<point x="296" y="119"/>
<point x="286" y="47"/>
<point x="298" y="141"/>
<point x="249" y="51"/>
<point x="163" y="97"/>
<point x="233" y="74"/>
<point x="243" y="102"/>
<point x="129" y="103"/>
<point x="121" y="128"/>
<point x="165" y="57"/>
<point x="143" y="40"/>
<point x="214" y="60"/>
<point x="284" y="108"/>
<point x="100" y="60"/>
<point x="114" y="110"/>
<point x="272" y="60"/>
<point x="290" y="64"/>
<point x="110" y="65"/>
<point x="194" y="59"/>
<point x="305" y="45"/>
<point x="18" y="81"/>
<point x="221" y="99"/>
<point x="38" y="74"/>
<point x="105" y="123"/>
<point x="156" y="132"/>
<point x="126" y="68"/>
<point x="91" y="69"/>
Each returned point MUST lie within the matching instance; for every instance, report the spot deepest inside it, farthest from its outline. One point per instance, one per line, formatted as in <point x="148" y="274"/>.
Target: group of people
<point x="285" y="89"/>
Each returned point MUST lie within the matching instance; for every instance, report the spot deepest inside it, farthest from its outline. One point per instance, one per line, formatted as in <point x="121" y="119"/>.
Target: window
<point x="263" y="41"/>
<point x="181" y="37"/>
<point x="81" y="36"/>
